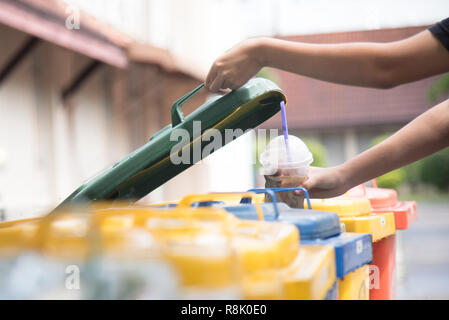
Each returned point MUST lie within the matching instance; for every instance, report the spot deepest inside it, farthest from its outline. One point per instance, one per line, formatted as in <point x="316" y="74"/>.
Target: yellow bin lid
<point x="18" y="235"/>
<point x="378" y="225"/>
<point x="343" y="206"/>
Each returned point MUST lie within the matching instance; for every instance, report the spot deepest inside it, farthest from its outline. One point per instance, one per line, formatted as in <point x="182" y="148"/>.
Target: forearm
<point x="423" y="136"/>
<point x="357" y="64"/>
<point x="378" y="65"/>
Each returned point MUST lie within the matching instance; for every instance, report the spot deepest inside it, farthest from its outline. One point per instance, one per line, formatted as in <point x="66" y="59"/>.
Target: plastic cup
<point x="295" y="160"/>
<point x="286" y="167"/>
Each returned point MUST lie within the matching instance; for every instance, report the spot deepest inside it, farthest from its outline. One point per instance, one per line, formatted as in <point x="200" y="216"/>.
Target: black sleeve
<point x="441" y="32"/>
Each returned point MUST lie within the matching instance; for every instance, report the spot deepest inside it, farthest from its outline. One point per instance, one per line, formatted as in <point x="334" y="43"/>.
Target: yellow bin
<point x="355" y="285"/>
<point x="311" y="275"/>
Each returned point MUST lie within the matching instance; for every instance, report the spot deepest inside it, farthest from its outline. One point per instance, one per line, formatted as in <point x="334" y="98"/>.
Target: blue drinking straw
<point x="285" y="128"/>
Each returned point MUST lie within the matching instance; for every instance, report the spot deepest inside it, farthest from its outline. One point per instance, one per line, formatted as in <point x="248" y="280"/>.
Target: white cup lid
<point x="275" y="155"/>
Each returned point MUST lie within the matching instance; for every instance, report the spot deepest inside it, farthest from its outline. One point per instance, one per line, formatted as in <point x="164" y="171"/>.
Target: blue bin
<point x="352" y="250"/>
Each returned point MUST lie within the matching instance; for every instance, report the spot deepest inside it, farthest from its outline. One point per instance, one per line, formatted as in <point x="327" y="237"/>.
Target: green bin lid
<point x="150" y="166"/>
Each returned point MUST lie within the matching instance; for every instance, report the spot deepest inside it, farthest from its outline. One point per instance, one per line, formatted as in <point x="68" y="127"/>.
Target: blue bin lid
<point x="352" y="250"/>
<point x="248" y="211"/>
<point x="311" y="224"/>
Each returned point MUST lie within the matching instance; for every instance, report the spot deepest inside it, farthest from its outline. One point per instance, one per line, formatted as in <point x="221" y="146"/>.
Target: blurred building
<point x="344" y="118"/>
<point x="74" y="101"/>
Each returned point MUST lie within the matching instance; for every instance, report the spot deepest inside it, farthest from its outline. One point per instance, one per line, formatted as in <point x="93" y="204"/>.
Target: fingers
<point x="298" y="192"/>
<point x="216" y="84"/>
<point x="219" y="80"/>
<point x="211" y="75"/>
<point x="309" y="183"/>
<point x="215" y="79"/>
<point x="322" y="194"/>
<point x="225" y="85"/>
<point x="220" y="84"/>
<point x="234" y="85"/>
<point x="224" y="91"/>
<point x="312" y="185"/>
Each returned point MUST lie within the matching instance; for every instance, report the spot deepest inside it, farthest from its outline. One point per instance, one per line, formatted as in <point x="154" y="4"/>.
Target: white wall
<point x="23" y="169"/>
<point x="47" y="147"/>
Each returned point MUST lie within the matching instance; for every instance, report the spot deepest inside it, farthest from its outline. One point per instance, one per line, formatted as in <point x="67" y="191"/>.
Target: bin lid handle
<point x="274" y="190"/>
<point x="176" y="114"/>
<point x="191" y="199"/>
<point x="266" y="191"/>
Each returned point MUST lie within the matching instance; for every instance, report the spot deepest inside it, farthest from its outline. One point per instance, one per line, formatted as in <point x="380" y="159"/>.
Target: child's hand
<point x="235" y="67"/>
<point x="325" y="183"/>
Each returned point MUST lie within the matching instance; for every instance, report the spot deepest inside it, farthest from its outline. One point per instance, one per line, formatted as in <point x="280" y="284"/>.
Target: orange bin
<point x="386" y="200"/>
<point x="382" y="270"/>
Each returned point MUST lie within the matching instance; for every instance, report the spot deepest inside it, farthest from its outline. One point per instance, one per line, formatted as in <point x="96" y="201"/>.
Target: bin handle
<point x="373" y="181"/>
<point x="272" y="196"/>
<point x="275" y="190"/>
<point x="363" y="189"/>
<point x="176" y="114"/>
<point x="188" y="200"/>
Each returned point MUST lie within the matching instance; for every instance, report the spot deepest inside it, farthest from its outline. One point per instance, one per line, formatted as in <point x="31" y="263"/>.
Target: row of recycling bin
<point x="221" y="245"/>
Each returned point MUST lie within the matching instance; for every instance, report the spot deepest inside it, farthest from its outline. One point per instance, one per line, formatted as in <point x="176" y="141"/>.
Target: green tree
<point x="438" y="88"/>
<point x="318" y="151"/>
<point x="434" y="170"/>
<point x="392" y="179"/>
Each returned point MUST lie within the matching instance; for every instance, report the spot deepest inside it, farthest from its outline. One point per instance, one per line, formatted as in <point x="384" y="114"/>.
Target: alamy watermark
<point x="193" y="146"/>
<point x="72" y="22"/>
<point x="72" y="280"/>
<point x="374" y="277"/>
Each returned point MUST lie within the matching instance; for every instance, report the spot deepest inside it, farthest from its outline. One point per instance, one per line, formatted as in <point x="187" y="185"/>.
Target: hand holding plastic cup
<point x="285" y="167"/>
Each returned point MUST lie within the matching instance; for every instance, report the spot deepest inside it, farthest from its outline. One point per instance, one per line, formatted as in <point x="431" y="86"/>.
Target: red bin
<point x="382" y="269"/>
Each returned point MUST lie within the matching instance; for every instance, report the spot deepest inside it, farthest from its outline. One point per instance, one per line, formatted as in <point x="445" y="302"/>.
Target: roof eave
<point x="50" y="27"/>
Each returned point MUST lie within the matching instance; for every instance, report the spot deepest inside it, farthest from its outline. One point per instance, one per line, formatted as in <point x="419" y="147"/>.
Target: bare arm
<point x="378" y="65"/>
<point x="423" y="136"/>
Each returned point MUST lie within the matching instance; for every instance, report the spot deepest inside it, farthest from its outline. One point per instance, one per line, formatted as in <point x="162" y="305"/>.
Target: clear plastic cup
<point x="286" y="167"/>
<point x="294" y="161"/>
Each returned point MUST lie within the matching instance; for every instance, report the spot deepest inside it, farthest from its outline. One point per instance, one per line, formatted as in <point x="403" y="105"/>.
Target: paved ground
<point x="423" y="254"/>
